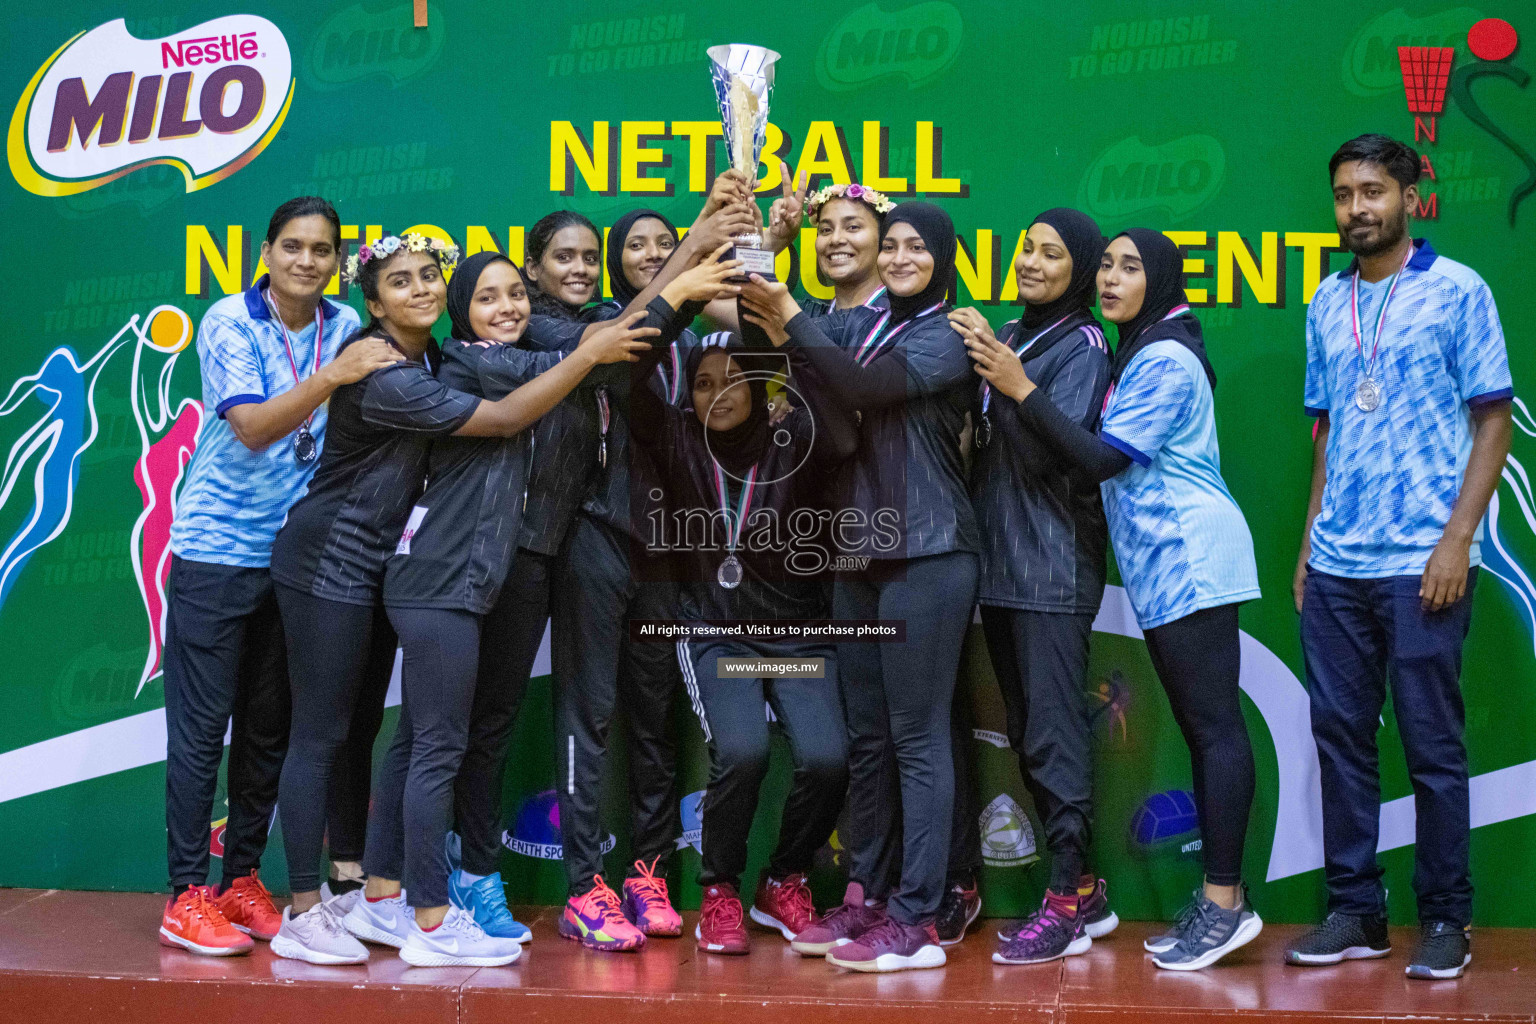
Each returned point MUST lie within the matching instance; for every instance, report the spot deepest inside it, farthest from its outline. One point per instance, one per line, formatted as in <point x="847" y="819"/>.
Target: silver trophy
<point x="743" y="76"/>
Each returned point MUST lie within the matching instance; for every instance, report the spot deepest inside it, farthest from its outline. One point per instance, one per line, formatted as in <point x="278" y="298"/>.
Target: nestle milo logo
<point x="357" y="42"/>
<point x="1370" y="61"/>
<point x="868" y="44"/>
<point x="1175" y="178"/>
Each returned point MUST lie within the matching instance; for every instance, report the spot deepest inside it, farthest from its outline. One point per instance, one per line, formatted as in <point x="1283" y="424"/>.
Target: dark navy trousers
<point x="1358" y="636"/>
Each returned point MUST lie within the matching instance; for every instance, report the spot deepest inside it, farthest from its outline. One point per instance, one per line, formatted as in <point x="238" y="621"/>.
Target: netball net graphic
<point x="1426" y="70"/>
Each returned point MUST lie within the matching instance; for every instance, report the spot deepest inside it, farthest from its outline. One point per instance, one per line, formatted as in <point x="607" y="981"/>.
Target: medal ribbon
<point x="1381" y="316"/>
<point x="603" y="415"/>
<point x="735" y="526"/>
<point x="288" y="344"/>
<point x="875" y="341"/>
<point x="986" y="387"/>
<point x="675" y="385"/>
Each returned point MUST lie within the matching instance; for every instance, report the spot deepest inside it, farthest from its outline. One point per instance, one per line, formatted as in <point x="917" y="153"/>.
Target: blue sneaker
<point x="487" y="901"/>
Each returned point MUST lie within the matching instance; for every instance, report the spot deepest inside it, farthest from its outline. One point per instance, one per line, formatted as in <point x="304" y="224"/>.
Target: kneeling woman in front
<point x="329" y="559"/>
<point x="734" y="485"/>
<point x="1184" y="551"/>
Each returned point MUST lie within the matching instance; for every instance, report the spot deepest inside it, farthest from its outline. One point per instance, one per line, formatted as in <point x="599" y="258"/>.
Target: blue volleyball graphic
<point x="1164" y="820"/>
<point x="536" y="829"/>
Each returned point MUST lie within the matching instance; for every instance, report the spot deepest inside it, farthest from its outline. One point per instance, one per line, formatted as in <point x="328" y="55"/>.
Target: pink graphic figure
<point x="159" y="469"/>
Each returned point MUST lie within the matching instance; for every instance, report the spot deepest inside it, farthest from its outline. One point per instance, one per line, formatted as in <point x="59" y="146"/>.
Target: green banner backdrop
<point x="146" y="156"/>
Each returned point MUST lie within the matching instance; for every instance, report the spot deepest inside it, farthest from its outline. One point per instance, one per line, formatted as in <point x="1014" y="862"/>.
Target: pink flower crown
<point x="878" y="201"/>
<point x="447" y="256"/>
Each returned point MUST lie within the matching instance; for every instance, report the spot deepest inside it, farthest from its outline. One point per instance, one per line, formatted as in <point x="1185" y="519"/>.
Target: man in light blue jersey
<point x="266" y="358"/>
<point x="1409" y="380"/>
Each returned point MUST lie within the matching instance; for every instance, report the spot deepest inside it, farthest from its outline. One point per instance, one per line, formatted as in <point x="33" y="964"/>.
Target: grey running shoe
<point x="1167" y="940"/>
<point x="1341" y="937"/>
<point x="1444" y="951"/>
<point x="1211" y="934"/>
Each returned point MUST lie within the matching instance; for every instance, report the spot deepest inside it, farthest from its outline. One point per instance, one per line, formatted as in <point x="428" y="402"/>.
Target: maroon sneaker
<point x="891" y="946"/>
<point x="721" y="928"/>
<point x="842" y="924"/>
<point x="784" y="905"/>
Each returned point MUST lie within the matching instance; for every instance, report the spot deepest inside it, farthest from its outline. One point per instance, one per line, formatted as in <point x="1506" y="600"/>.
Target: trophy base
<point x="753" y="261"/>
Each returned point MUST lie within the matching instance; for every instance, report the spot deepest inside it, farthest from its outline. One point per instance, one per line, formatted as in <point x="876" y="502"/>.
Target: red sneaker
<point x="647" y="905"/>
<point x="721" y="928"/>
<point x="840" y="925"/>
<point x="784" y="904"/>
<point x="194" y="923"/>
<point x="247" y="905"/>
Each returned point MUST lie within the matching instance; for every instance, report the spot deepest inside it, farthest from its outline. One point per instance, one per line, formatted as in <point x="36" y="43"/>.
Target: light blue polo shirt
<point x="1394" y="473"/>
<point x="1180" y="540"/>
<point x="233" y="499"/>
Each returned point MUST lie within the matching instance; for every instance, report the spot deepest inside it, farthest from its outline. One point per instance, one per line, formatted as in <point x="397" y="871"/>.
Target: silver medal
<point x="1368" y="395"/>
<point x="729" y="573"/>
<point x="304" y="447"/>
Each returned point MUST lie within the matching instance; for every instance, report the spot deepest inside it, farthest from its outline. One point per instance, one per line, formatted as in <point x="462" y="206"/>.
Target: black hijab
<point x="462" y="289"/>
<point x="938" y="233"/>
<point x="624" y="292"/>
<point x="741" y="446"/>
<point x="1163" y="265"/>
<point x="1085" y="244"/>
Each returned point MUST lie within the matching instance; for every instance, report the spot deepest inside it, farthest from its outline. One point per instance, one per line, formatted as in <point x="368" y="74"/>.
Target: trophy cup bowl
<point x="743" y="77"/>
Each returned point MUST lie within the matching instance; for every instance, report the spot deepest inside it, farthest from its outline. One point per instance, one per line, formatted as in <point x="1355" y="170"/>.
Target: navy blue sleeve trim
<point x="1501" y="395"/>
<point x="230" y="403"/>
<point x="1134" y="453"/>
<point x="1314" y="411"/>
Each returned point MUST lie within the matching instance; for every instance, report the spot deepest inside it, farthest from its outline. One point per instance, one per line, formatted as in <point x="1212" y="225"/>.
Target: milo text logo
<point x="1175" y="178"/>
<point x="355" y="43"/>
<point x="205" y="101"/>
<point x="1370" y="61"/>
<point x="868" y="44"/>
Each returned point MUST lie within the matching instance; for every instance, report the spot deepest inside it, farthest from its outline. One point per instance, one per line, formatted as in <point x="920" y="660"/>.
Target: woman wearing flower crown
<point x="906" y="511"/>
<point x="329" y="558"/>
<point x="848" y="219"/>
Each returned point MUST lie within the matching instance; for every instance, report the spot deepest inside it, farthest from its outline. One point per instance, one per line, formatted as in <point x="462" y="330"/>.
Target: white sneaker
<point x="387" y="922"/>
<point x="457" y="942"/>
<point x="344" y="903"/>
<point x="318" y="937"/>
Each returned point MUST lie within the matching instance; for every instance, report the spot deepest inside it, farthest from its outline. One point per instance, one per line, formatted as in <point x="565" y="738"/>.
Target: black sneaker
<point x="957" y="910"/>
<point x="1098" y="919"/>
<point x="1444" y="951"/>
<point x="1212" y="933"/>
<point x="1341" y="937"/>
<point x="1167" y="940"/>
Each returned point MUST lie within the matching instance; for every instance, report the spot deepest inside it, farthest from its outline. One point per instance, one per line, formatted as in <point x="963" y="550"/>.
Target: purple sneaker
<point x="891" y="946"/>
<point x="1098" y="919"/>
<point x="1055" y="931"/>
<point x="840" y="925"/>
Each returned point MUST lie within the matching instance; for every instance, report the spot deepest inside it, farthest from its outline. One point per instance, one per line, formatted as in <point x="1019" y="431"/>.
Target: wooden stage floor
<point x="78" y="956"/>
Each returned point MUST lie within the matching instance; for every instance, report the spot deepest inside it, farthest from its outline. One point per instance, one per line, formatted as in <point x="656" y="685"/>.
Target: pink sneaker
<point x="594" y="920"/>
<point x="840" y="925"/>
<point x="891" y="946"/>
<point x="646" y="903"/>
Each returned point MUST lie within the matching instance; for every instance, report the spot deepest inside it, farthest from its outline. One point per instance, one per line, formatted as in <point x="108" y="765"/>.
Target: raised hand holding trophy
<point x="743" y="77"/>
